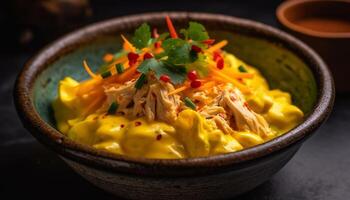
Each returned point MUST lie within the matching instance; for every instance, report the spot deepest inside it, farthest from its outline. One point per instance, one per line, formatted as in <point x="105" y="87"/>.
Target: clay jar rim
<point x="83" y="154"/>
<point x="285" y="21"/>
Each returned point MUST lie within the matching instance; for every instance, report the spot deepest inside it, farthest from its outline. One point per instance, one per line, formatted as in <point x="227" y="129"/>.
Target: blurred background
<point x="319" y="171"/>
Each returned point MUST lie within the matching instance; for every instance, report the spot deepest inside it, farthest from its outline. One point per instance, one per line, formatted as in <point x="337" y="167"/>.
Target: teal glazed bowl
<point x="286" y="62"/>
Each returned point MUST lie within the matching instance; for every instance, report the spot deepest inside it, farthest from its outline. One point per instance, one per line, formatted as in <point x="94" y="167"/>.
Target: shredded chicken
<point x="209" y="111"/>
<point x="244" y="118"/>
<point x="151" y="101"/>
<point x="123" y="94"/>
<point x="160" y="105"/>
<point x="222" y="124"/>
<point x="228" y="110"/>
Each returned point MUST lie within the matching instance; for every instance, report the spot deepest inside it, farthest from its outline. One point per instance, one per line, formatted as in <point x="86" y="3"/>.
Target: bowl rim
<point x="168" y="167"/>
<point x="280" y="14"/>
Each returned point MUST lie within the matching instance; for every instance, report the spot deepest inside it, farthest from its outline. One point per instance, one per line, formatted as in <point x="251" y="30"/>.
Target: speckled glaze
<point x="285" y="61"/>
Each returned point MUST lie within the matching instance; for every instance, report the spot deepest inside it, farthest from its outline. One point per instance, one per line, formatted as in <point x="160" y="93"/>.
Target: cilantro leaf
<point x="177" y="74"/>
<point x="142" y="36"/>
<point x="177" y="50"/>
<point x="197" y="32"/>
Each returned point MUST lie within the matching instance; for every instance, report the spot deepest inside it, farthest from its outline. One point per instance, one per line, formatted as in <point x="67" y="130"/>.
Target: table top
<point x="320" y="170"/>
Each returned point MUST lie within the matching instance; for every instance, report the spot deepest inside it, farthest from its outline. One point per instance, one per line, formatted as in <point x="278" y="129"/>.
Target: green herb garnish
<point x="120" y="68"/>
<point x="177" y="50"/>
<point x="139" y="83"/>
<point x="197" y="32"/>
<point x="112" y="108"/>
<point x="189" y="103"/>
<point x="106" y="74"/>
<point x="142" y="36"/>
<point x="242" y="69"/>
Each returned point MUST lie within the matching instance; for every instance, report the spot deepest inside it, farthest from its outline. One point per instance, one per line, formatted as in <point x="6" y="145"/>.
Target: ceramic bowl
<point x="286" y="62"/>
<point x="332" y="41"/>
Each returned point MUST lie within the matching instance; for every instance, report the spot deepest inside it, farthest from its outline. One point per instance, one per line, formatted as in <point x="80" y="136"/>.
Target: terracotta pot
<point x="331" y="39"/>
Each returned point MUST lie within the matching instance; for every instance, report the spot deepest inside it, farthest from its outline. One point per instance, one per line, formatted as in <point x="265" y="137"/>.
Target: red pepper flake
<point x="246" y="105"/>
<point x="192" y="75"/>
<point x="216" y="55"/>
<point x="220" y="63"/>
<point x="196" y="49"/>
<point x="240" y="80"/>
<point x="132" y="57"/>
<point x="147" y="56"/>
<point x="196" y="83"/>
<point x="122" y="125"/>
<point x="159" y="137"/>
<point x="155" y="33"/>
<point x="209" y="41"/>
<point x="164" y="78"/>
<point x="157" y="45"/>
<point x="137" y="123"/>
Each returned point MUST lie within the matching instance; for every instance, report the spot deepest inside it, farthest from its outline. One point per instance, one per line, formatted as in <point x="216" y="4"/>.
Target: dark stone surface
<point x="320" y="170"/>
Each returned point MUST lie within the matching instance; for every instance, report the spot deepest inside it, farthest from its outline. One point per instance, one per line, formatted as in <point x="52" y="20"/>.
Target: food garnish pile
<point x="173" y="95"/>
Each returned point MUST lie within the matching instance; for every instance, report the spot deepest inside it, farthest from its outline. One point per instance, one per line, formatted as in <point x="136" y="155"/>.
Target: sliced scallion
<point x="113" y="108"/>
<point x="120" y="68"/>
<point x="242" y="69"/>
<point x="189" y="103"/>
<point x="106" y="74"/>
<point x="139" y="83"/>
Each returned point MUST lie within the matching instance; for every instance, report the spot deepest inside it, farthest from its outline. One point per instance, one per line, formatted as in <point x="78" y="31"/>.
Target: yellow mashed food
<point x="190" y="135"/>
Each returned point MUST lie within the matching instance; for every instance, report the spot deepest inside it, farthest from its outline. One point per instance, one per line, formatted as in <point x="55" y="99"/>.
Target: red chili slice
<point x="209" y="41"/>
<point x="165" y="78"/>
<point x="132" y="57"/>
<point x="216" y="55"/>
<point x="147" y="56"/>
<point x="196" y="48"/>
<point x="159" y="137"/>
<point x="220" y="63"/>
<point x="196" y="83"/>
<point x="137" y="123"/>
<point x="157" y="45"/>
<point x="192" y="75"/>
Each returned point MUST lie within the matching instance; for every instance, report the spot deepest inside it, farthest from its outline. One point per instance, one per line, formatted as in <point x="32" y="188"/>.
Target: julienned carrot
<point x="88" y="70"/>
<point x="127" y="45"/>
<point x="171" y="28"/>
<point x="108" y="57"/>
<point x="180" y="89"/>
<point x="94" y="105"/>
<point x="125" y="76"/>
<point x="207" y="85"/>
<point x="87" y="86"/>
<point x="118" y="61"/>
<point x="222" y="77"/>
<point x="230" y="72"/>
<point x="217" y="46"/>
